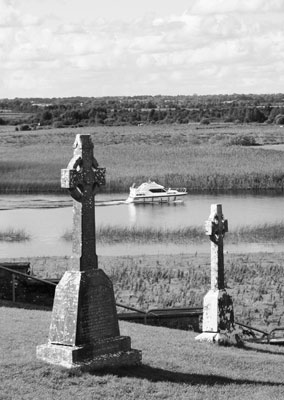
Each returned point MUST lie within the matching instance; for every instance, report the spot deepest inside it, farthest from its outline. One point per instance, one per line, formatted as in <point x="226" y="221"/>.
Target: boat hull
<point x="156" y="199"/>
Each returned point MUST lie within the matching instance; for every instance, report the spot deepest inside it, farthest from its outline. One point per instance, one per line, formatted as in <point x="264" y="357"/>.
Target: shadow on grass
<point x="161" y="375"/>
<point x="266" y="351"/>
<point x="24" y="305"/>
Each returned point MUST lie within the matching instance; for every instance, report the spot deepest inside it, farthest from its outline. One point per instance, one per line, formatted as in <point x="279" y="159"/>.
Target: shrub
<point x="25" y="127"/>
<point x="279" y="119"/>
<point x="242" y="140"/>
<point x="205" y="121"/>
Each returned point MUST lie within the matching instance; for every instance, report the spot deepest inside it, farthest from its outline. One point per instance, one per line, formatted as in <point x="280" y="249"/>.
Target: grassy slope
<point x="175" y="366"/>
<point x="184" y="155"/>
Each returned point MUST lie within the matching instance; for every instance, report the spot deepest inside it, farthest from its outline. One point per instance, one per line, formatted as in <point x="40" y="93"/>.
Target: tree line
<point x="136" y="110"/>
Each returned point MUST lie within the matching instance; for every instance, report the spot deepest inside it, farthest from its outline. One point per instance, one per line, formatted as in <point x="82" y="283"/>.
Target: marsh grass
<point x="118" y="234"/>
<point x="261" y="233"/>
<point x="255" y="282"/>
<point x="273" y="232"/>
<point x="14" y="235"/>
<point x="173" y="155"/>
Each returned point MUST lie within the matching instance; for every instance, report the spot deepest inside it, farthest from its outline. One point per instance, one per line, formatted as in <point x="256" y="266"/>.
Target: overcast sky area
<point x="61" y="48"/>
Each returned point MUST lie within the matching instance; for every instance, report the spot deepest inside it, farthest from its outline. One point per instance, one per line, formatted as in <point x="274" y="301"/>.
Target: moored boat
<point x="150" y="192"/>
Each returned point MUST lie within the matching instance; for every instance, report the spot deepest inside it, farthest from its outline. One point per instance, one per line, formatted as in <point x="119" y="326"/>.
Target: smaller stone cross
<point x="82" y="177"/>
<point x="218" y="313"/>
<point x="215" y="228"/>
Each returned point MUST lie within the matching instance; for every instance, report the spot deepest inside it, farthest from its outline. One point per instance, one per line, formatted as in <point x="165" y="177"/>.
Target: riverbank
<point x="255" y="281"/>
<point x="202" y="159"/>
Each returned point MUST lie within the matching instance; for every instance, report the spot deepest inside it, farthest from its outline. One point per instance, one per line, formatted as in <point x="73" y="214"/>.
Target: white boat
<point x="150" y="192"/>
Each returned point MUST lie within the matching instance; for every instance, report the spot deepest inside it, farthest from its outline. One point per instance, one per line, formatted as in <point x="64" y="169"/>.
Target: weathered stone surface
<point x="63" y="327"/>
<point x="215" y="228"/>
<point x="218" y="314"/>
<point x="87" y="358"/>
<point x="82" y="178"/>
<point x="84" y="331"/>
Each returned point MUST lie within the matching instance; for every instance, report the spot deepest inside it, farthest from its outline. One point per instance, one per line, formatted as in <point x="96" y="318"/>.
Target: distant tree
<point x="279" y="119"/>
<point x="205" y="121"/>
<point x="46" y="118"/>
<point x="254" y="115"/>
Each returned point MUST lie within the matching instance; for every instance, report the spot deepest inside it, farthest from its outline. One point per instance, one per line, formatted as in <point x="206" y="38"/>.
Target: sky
<point x="62" y="48"/>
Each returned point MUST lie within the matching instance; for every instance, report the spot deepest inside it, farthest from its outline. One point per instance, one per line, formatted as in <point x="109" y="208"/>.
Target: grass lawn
<point x="175" y="366"/>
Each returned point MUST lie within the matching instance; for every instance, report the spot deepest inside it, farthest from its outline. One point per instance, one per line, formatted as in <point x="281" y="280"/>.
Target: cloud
<point x="234" y="6"/>
<point x="211" y="45"/>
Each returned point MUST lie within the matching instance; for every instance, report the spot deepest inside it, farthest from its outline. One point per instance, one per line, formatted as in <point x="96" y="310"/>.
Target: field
<point x="255" y="282"/>
<point x="199" y="158"/>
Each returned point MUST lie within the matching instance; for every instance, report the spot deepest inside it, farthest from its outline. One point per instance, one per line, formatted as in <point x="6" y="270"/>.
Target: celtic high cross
<point x="215" y="228"/>
<point x="82" y="177"/>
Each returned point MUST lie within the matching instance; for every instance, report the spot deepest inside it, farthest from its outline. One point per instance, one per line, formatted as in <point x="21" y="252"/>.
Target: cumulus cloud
<point x="234" y="6"/>
<point x="208" y="47"/>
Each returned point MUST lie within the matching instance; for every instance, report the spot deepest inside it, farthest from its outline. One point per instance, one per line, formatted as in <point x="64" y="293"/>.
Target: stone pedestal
<point x="84" y="331"/>
<point x="218" y="318"/>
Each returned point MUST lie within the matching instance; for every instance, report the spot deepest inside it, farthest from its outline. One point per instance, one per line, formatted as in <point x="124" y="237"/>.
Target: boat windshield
<point x="157" y="190"/>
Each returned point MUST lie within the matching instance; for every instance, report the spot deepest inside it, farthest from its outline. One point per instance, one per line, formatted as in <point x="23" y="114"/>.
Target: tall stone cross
<point x="84" y="330"/>
<point x="215" y="228"/>
<point x="82" y="177"/>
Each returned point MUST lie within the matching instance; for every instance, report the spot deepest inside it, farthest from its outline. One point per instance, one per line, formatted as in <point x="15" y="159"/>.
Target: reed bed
<point x="14" y="235"/>
<point x="186" y="155"/>
<point x="261" y="233"/>
<point x="255" y="282"/>
<point x="117" y="234"/>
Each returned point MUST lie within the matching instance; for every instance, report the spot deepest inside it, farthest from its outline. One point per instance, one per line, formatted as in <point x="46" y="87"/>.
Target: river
<point x="46" y="218"/>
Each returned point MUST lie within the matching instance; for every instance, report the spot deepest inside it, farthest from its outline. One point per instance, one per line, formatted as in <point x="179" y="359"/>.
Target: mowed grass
<point x="174" y="366"/>
<point x="191" y="156"/>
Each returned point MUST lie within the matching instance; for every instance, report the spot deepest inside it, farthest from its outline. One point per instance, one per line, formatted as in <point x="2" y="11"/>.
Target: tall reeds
<point x="173" y="155"/>
<point x="262" y="233"/>
<point x="14" y="235"/>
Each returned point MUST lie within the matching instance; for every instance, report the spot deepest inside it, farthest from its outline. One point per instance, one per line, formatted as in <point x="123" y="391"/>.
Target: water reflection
<point x="132" y="214"/>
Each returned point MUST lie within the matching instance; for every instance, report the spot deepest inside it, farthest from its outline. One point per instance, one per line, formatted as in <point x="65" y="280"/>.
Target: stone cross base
<point x="84" y="329"/>
<point x="114" y="352"/>
<point x="218" y="318"/>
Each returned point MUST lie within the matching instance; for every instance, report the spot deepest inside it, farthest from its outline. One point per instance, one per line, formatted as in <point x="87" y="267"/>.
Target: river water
<point x="47" y="218"/>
